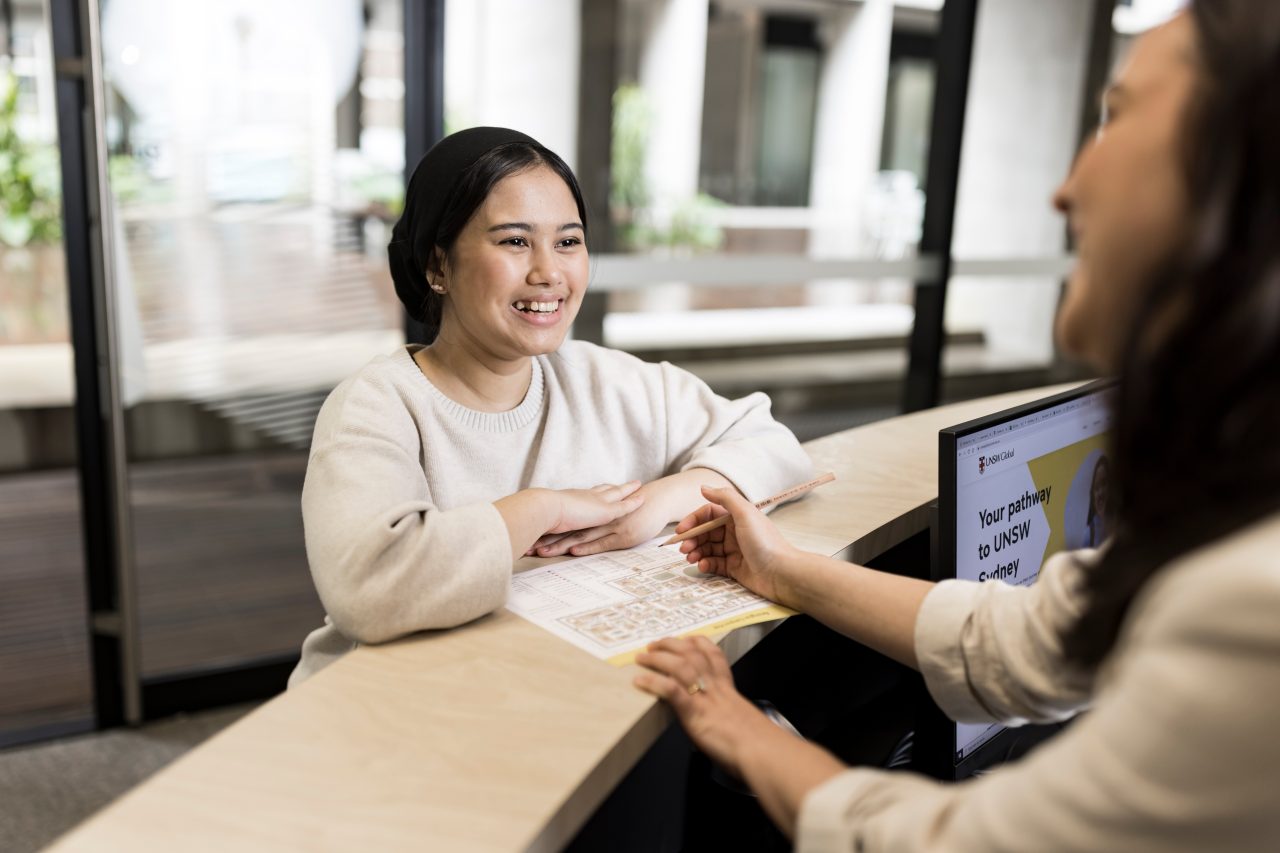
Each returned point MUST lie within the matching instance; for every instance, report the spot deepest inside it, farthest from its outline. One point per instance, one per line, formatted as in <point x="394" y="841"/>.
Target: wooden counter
<point x="493" y="736"/>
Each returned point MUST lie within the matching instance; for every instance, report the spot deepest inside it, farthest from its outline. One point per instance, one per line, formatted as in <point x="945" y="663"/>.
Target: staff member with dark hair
<point x="434" y="468"/>
<point x="1171" y="634"/>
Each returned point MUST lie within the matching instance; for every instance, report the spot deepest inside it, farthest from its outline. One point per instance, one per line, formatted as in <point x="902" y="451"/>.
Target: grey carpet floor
<point x="48" y="788"/>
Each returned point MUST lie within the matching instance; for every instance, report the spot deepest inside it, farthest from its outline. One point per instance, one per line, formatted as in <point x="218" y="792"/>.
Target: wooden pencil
<point x="793" y="492"/>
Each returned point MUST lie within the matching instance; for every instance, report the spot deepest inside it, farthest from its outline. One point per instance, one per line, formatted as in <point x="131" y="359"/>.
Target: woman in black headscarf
<point x="437" y="466"/>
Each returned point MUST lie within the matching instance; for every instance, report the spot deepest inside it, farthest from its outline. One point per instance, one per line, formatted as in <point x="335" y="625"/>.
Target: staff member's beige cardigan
<point x="1180" y="747"/>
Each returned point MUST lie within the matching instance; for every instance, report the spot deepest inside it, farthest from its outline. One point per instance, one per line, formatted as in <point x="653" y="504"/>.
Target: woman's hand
<point x="533" y="513"/>
<point x="782" y="769"/>
<point x="692" y="675"/>
<point x="639" y="525"/>
<point x="579" y="508"/>
<point x="665" y="499"/>
<point x="748" y="549"/>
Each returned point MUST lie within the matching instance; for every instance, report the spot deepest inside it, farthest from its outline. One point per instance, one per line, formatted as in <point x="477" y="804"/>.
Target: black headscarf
<point x="433" y="182"/>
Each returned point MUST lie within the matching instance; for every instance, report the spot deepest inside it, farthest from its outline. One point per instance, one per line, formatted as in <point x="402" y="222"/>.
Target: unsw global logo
<point x="985" y="462"/>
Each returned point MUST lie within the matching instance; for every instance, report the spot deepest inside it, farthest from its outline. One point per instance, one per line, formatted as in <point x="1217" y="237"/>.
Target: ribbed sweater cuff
<point x="939" y="650"/>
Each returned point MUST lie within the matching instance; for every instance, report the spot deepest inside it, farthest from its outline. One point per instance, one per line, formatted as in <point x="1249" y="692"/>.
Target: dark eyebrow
<point x="525" y="226"/>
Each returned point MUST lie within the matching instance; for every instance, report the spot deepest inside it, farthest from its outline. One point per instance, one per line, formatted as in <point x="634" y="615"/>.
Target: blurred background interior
<point x="757" y="172"/>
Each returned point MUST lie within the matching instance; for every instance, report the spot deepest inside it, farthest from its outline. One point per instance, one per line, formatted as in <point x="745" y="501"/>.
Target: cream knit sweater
<point x="1178" y="752"/>
<point x="401" y="530"/>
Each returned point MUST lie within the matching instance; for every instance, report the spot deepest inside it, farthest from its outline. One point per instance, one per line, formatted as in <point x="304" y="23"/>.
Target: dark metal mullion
<point x="597" y="81"/>
<point x="116" y="691"/>
<point x="6" y="21"/>
<point x="946" y="135"/>
<point x="423" y="99"/>
<point x="1097" y="66"/>
<point x="95" y="486"/>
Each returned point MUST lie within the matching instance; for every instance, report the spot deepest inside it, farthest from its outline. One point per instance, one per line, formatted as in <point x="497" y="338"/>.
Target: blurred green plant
<point x="384" y="190"/>
<point x="632" y="118"/>
<point x="691" y="225"/>
<point x="30" y="193"/>
<point x="131" y="183"/>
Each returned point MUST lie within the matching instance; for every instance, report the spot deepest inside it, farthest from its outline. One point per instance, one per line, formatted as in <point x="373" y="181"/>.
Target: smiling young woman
<point x="434" y="468"/>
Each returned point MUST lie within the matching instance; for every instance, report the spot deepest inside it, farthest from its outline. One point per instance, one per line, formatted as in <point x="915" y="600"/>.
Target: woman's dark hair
<point x="1104" y="468"/>
<point x="1195" y="447"/>
<point x="457" y="201"/>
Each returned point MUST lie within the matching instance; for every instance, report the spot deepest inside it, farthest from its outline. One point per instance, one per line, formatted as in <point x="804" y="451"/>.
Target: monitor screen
<point x="1027" y="483"/>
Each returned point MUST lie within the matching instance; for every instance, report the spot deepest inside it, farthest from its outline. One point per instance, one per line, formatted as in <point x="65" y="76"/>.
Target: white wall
<point x="514" y="63"/>
<point x="848" y="125"/>
<point x="672" y="74"/>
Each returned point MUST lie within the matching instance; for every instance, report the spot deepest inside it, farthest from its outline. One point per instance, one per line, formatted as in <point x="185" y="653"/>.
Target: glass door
<point x="255" y="157"/>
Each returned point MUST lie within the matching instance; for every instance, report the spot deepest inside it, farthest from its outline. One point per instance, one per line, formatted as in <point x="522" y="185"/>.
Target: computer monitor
<point x="1015" y="487"/>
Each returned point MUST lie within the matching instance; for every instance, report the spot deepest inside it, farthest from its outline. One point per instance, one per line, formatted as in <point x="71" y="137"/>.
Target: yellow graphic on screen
<point x="1062" y="470"/>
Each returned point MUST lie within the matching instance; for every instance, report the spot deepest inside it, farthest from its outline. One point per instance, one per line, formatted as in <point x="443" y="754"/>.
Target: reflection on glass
<point x="256" y="153"/>
<point x="45" y="678"/>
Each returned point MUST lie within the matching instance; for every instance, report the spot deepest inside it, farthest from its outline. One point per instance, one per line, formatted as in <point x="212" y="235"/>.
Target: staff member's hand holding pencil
<point x="793" y="492"/>
<point x="731" y="537"/>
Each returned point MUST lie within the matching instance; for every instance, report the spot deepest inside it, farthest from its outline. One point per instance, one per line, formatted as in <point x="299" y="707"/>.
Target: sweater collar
<point x="508" y="421"/>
